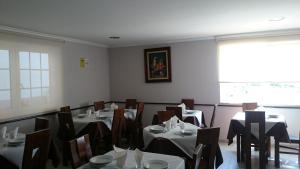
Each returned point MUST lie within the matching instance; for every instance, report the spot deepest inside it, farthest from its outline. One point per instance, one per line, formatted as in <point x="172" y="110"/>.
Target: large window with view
<point x="30" y="76"/>
<point x="262" y="70"/>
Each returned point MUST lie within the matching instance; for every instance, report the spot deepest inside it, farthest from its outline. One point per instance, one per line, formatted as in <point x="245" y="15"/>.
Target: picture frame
<point x="158" y="65"/>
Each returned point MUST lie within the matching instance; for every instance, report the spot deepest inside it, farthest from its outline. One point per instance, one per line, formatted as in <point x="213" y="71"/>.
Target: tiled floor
<point x="229" y="154"/>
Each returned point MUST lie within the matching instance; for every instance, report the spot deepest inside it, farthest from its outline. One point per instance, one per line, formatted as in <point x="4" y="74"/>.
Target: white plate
<point x="157" y="129"/>
<point x="155" y="164"/>
<point x="187" y="132"/>
<point x="100" y="160"/>
<point x="81" y="115"/>
<point x="272" y="116"/>
<point x="189" y="112"/>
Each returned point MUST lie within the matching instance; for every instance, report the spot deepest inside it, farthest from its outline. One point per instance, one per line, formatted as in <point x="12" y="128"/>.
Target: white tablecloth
<point x="270" y="122"/>
<point x="81" y="123"/>
<point x="13" y="154"/>
<point x="186" y="143"/>
<point x="174" y="162"/>
<point x="193" y="113"/>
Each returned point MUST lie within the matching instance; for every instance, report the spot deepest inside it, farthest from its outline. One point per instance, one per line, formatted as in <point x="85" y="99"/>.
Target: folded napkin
<point x="3" y="132"/>
<point x="120" y="156"/>
<point x="138" y="156"/>
<point x="97" y="113"/>
<point x="114" y="106"/>
<point x="15" y="132"/>
<point x="89" y="112"/>
<point x="183" y="107"/>
<point x="174" y="121"/>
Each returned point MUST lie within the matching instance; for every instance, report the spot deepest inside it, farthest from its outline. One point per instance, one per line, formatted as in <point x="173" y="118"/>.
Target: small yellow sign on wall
<point x="83" y="63"/>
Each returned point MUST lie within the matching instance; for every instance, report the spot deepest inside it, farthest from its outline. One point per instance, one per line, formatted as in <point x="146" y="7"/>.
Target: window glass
<point x="36" y="78"/>
<point x="25" y="93"/>
<point x="36" y="92"/>
<point x="24" y="60"/>
<point x="25" y="78"/>
<point x="45" y="61"/>
<point x="4" y="59"/>
<point x="5" y="79"/>
<point x="35" y="60"/>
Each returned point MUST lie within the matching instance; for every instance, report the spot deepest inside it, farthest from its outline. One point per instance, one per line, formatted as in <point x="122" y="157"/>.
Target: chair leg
<point x="238" y="148"/>
<point x="277" y="153"/>
<point x="243" y="149"/>
<point x="262" y="155"/>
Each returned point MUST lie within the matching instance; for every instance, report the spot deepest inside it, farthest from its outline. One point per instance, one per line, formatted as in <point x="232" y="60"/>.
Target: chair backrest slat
<point x="36" y="150"/>
<point x="99" y="105"/>
<point x="117" y="126"/>
<point x="189" y="103"/>
<point x="139" y="114"/>
<point x="65" y="109"/>
<point x="249" y="106"/>
<point x="130" y="104"/>
<point x="176" y="110"/>
<point x="66" y="126"/>
<point x="164" y="116"/>
<point x="41" y="123"/>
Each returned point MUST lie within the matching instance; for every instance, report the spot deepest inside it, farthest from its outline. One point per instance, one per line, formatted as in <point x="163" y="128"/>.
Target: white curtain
<point x="31" y="76"/>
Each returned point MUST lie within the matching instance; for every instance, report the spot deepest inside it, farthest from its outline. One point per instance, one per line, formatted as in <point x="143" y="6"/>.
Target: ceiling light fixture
<point x="114" y="37"/>
<point x="277" y="19"/>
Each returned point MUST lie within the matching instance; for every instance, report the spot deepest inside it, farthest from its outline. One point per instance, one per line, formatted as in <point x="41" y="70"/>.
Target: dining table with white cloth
<point x="174" y="162"/>
<point x="105" y="116"/>
<point x="13" y="153"/>
<point x="186" y="143"/>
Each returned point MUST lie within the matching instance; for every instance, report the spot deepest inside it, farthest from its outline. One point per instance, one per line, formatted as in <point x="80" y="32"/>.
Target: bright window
<point x="266" y="72"/>
<point x="30" y="76"/>
<point x="4" y="78"/>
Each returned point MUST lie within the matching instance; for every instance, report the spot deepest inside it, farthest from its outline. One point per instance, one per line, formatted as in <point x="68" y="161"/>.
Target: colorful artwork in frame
<point x="158" y="65"/>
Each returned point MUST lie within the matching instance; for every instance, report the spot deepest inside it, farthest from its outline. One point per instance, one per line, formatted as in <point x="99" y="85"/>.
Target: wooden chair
<point x="255" y="117"/>
<point x="249" y="106"/>
<point x="287" y="149"/>
<point x="117" y="126"/>
<point x="136" y="127"/>
<point x="65" y="109"/>
<point x="66" y="132"/>
<point x="164" y="116"/>
<point x="80" y="151"/>
<point x="208" y="139"/>
<point x="41" y="123"/>
<point x="212" y="120"/>
<point x="99" y="105"/>
<point x="176" y="110"/>
<point x="36" y="150"/>
<point x="189" y="103"/>
<point x="130" y="104"/>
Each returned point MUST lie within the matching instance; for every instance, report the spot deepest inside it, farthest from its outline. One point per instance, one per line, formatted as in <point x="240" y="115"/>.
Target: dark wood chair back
<point x="99" y="105"/>
<point x="80" y="151"/>
<point x="117" y="126"/>
<point x="249" y="106"/>
<point x="130" y="104"/>
<point x="189" y="103"/>
<point x="212" y="120"/>
<point x="255" y="117"/>
<point x="139" y="115"/>
<point x="41" y="123"/>
<point x="208" y="139"/>
<point x="65" y="109"/>
<point x="164" y="116"/>
<point x="66" y="126"/>
<point x="36" y="150"/>
<point x="176" y="110"/>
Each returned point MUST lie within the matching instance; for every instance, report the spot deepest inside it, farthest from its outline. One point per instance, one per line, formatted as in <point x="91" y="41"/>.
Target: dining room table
<point x="174" y="162"/>
<point x="185" y="142"/>
<point x="104" y="116"/>
<point x="275" y="126"/>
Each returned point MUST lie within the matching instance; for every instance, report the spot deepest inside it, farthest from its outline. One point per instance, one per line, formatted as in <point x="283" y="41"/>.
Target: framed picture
<point x="158" y="65"/>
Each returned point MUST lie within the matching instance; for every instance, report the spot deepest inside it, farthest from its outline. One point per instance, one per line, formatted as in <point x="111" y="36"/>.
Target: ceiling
<point x="140" y="22"/>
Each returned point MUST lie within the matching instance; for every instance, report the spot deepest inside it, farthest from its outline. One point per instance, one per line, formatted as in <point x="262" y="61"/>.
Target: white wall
<point x="194" y="75"/>
<point x="89" y="84"/>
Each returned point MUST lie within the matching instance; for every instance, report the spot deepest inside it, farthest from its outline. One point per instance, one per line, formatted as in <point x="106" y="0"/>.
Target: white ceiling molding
<point x="24" y="32"/>
<point x="166" y="42"/>
<point x="276" y="33"/>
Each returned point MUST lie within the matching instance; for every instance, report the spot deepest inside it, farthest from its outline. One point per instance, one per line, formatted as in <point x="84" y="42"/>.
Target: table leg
<point x="277" y="153"/>
<point x="238" y="147"/>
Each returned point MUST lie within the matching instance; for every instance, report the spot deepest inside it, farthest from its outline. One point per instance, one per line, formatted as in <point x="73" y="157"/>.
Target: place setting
<point x="12" y="138"/>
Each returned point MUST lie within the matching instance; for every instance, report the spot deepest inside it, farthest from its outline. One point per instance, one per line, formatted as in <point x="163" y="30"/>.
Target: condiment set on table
<point x="12" y="138"/>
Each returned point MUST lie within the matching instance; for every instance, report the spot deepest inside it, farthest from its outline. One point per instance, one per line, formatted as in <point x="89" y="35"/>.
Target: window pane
<point x="4" y="95"/>
<point x="45" y="62"/>
<point x="25" y="93"/>
<point x="25" y="78"/>
<point x="35" y="60"/>
<point x="45" y="78"/>
<point x="35" y="78"/>
<point x="4" y="59"/>
<point x="5" y="79"/>
<point x="36" y="92"/>
<point x="45" y="91"/>
<point x="24" y="60"/>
